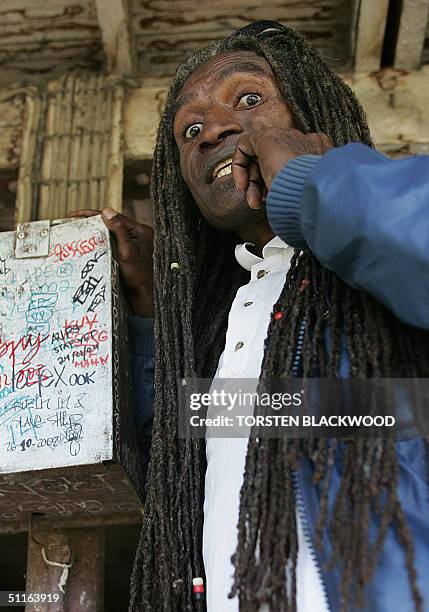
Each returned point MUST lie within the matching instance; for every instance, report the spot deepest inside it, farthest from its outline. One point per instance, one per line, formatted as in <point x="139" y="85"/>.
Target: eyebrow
<point x="251" y="67"/>
<point x="241" y="67"/>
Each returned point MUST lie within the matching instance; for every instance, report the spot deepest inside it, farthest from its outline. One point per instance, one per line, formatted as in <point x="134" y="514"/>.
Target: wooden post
<point x="370" y="29"/>
<point x="118" y="40"/>
<point x="84" y="588"/>
<point x="411" y="34"/>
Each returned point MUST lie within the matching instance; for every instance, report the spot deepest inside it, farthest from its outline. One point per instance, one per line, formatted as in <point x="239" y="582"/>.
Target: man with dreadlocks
<point x="322" y="524"/>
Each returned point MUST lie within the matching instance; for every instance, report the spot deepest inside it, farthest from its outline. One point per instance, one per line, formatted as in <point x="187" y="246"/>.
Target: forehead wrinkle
<point x="240" y="67"/>
<point x="247" y="67"/>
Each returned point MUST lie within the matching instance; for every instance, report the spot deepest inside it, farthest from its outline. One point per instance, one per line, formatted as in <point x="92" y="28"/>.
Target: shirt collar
<point x="246" y="259"/>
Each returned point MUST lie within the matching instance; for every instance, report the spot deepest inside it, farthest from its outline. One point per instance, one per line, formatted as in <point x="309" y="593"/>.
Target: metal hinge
<point x="32" y="239"/>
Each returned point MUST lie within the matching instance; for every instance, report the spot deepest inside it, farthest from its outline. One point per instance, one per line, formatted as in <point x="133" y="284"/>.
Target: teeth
<point x="223" y="168"/>
<point x="224" y="171"/>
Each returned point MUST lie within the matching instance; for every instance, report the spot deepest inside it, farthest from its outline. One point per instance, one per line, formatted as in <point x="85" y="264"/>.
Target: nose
<point x="218" y="125"/>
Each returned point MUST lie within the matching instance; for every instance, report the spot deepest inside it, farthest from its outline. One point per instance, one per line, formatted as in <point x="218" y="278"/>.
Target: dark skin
<point x="229" y="108"/>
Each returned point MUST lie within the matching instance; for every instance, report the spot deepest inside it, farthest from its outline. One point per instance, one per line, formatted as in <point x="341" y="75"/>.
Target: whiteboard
<point x="56" y="405"/>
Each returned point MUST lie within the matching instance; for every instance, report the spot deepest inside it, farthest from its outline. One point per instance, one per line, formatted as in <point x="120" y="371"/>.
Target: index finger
<point x="243" y="156"/>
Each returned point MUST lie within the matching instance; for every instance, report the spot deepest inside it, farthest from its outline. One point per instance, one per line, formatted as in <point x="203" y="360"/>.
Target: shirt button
<point x="260" y="273"/>
<point x="239" y="345"/>
<point x="247" y="303"/>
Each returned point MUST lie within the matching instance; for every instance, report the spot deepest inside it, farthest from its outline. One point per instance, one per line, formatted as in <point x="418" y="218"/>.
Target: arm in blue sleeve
<point x="142" y="357"/>
<point x="365" y="217"/>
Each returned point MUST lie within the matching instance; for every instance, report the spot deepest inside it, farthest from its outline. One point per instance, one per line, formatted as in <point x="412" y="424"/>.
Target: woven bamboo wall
<point x="72" y="153"/>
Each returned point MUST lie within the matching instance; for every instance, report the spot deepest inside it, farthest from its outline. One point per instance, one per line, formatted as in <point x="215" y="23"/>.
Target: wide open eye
<point x="249" y="99"/>
<point x="193" y="130"/>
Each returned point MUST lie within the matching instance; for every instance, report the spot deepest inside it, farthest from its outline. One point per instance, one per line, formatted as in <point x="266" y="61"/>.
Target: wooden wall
<point x="425" y="55"/>
<point x="167" y="32"/>
<point x="47" y="38"/>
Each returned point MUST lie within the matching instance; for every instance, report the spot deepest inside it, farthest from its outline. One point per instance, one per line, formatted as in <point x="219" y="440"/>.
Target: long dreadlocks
<point x="192" y="303"/>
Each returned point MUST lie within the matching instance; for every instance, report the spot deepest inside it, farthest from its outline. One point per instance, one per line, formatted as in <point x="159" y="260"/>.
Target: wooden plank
<point x="411" y="35"/>
<point x="24" y="197"/>
<point x="12" y="108"/>
<point x="8" y="185"/>
<point x="20" y="9"/>
<point x="84" y="584"/>
<point x="167" y="33"/>
<point x="193" y="15"/>
<point x="425" y="54"/>
<point x="159" y="55"/>
<point x="65" y="494"/>
<point x="370" y="29"/>
<point x="38" y="61"/>
<point x="47" y="38"/>
<point x="113" y="18"/>
<point x="25" y="21"/>
<point x="43" y="523"/>
<point x="115" y="162"/>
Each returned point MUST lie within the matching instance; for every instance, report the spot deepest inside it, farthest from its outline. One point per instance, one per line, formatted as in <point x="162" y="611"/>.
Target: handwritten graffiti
<point x="4" y="269"/>
<point x="40" y="311"/>
<point x="50" y="271"/>
<point x="75" y="248"/>
<point x="84" y="322"/>
<point x="25" y="349"/>
<point x="90" y="264"/>
<point x="93" y="362"/>
<point x="86" y="289"/>
<point x="56" y="351"/>
<point x="99" y="298"/>
<point x="74" y="435"/>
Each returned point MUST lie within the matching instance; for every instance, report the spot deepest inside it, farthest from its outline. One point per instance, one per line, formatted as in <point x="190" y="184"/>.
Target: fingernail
<point x="109" y="213"/>
<point x="253" y="206"/>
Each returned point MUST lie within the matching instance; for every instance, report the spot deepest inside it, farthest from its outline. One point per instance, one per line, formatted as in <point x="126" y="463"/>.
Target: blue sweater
<point x="366" y="218"/>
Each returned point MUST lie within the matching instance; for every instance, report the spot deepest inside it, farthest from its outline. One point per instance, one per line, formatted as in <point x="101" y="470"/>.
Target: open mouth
<point x="223" y="168"/>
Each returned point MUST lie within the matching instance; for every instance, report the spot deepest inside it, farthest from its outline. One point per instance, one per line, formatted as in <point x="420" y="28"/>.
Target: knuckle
<point x="117" y="221"/>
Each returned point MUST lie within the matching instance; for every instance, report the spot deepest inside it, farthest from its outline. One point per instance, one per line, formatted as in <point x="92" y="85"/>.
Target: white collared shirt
<point x="248" y="322"/>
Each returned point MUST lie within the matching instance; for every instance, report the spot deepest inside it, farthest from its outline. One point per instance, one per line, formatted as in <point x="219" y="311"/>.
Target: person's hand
<point x="134" y="251"/>
<point x="261" y="155"/>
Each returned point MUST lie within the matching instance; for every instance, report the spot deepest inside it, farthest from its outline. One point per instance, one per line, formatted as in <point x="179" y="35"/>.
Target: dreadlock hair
<point x="192" y="303"/>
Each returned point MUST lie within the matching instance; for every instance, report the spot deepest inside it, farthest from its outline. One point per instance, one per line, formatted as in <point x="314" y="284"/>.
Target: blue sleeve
<point x="142" y="357"/>
<point x="365" y="217"/>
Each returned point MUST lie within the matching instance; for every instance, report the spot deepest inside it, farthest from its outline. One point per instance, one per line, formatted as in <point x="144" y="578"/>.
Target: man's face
<point x="230" y="95"/>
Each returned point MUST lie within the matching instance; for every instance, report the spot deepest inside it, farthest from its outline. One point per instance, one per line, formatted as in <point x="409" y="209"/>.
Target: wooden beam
<point x="114" y="21"/>
<point x="370" y="28"/>
<point x="411" y="35"/>
<point x="44" y="523"/>
<point x="83" y="583"/>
